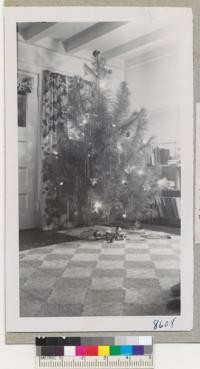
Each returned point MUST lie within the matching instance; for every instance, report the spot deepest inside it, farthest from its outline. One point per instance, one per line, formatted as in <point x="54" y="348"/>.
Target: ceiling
<point x="119" y="42"/>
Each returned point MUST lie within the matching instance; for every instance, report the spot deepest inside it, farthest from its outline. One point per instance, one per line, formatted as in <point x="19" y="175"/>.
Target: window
<point x="24" y="87"/>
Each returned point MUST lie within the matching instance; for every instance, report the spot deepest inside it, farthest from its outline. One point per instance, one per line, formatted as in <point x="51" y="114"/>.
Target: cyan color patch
<point x="126" y="350"/>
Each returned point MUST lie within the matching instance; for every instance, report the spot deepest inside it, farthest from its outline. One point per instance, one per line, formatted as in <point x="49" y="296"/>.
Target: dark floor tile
<point x="145" y="309"/>
<point x="30" y="263"/>
<point x="137" y="251"/>
<point x="111" y="257"/>
<point x="138" y="264"/>
<point x="22" y="281"/>
<point x="26" y="272"/>
<point x="72" y="282"/>
<point x="82" y="264"/>
<point x="104" y="296"/>
<point x="68" y="245"/>
<point x="109" y="273"/>
<point x="159" y="245"/>
<point x="140" y="283"/>
<point x="104" y="309"/>
<point x="87" y="251"/>
<point x="164" y="257"/>
<point x="47" y="272"/>
<point x="56" y="310"/>
<point x="40" y="282"/>
<point x="36" y="295"/>
<point x="29" y="308"/>
<point x="58" y="257"/>
<point x="42" y="250"/>
<point x="162" y="273"/>
<point x="113" y="246"/>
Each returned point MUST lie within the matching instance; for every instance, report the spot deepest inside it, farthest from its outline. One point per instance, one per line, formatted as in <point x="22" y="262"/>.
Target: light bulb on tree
<point x="93" y="181"/>
<point x="103" y="84"/>
<point x="124" y="215"/>
<point x="97" y="206"/>
<point x="84" y="121"/>
<point x="140" y="172"/>
<point x="119" y="147"/>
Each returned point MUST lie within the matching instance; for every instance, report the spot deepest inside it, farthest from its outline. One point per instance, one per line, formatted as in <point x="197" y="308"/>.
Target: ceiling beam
<point x="91" y="33"/>
<point x="136" y="43"/>
<point x="36" y="31"/>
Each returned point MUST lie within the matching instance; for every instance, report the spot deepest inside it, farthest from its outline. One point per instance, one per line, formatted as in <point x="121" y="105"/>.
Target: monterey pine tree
<point x="102" y="171"/>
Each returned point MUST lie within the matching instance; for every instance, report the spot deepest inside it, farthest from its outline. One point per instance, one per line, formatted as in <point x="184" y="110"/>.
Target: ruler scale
<point x="94" y="353"/>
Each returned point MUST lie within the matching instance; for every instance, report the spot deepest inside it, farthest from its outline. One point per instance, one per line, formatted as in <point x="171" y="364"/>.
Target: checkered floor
<point x="92" y="278"/>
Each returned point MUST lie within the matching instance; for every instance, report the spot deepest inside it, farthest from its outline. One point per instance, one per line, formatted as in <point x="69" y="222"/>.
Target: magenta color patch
<point x="80" y="350"/>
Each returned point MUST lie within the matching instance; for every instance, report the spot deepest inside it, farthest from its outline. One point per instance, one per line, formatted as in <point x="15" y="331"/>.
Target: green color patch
<point x="115" y="350"/>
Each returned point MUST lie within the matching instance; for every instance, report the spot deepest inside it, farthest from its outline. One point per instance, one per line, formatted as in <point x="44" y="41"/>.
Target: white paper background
<point x="167" y="356"/>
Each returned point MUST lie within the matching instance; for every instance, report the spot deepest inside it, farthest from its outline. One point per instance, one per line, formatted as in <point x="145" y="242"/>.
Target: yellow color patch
<point x="103" y="350"/>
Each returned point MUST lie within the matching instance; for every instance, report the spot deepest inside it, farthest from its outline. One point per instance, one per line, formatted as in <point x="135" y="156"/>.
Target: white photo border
<point x="15" y="323"/>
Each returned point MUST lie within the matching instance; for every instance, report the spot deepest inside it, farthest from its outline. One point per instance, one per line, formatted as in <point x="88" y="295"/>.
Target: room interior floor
<point x="95" y="278"/>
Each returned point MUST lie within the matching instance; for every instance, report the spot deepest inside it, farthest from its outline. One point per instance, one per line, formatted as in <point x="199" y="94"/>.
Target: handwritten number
<point x="159" y="324"/>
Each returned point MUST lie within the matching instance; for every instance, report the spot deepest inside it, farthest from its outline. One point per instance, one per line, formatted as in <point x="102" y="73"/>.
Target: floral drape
<point x="62" y="146"/>
<point x="54" y="100"/>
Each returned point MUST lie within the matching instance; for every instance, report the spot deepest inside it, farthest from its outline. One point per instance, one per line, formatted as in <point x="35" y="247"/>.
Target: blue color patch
<point x="126" y="350"/>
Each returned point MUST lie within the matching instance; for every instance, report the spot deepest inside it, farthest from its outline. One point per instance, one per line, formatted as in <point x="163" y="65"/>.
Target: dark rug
<point x="34" y="238"/>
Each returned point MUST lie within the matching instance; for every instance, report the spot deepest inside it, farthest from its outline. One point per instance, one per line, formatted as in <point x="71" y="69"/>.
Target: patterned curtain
<point x="62" y="146"/>
<point x="65" y="162"/>
<point x="54" y="101"/>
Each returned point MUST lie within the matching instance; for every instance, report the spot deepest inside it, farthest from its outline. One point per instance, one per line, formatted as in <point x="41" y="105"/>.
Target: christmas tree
<point x="100" y="170"/>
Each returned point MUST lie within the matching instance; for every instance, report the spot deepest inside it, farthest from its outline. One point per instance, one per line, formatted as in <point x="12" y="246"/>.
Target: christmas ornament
<point x="97" y="206"/>
<point x="124" y="182"/>
<point x="140" y="172"/>
<point x="163" y="183"/>
<point x="96" y="53"/>
<point x="93" y="182"/>
<point x="127" y="134"/>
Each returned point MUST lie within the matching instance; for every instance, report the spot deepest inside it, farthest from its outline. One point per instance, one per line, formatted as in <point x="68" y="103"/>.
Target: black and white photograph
<point x="102" y="221"/>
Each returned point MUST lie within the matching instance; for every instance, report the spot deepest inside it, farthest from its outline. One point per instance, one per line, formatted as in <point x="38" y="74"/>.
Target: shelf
<point x="164" y="165"/>
<point x="170" y="193"/>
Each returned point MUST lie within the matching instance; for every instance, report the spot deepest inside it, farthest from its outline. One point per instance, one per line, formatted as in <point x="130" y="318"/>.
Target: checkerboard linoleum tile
<point x="138" y="257"/>
<point x="94" y="278"/>
<point x="110" y="264"/>
<point x="143" y="273"/>
<point x="107" y="283"/>
<point x="85" y="257"/>
<point x="77" y="272"/>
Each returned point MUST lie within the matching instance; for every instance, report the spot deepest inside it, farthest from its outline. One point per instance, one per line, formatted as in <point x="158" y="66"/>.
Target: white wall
<point x="154" y="84"/>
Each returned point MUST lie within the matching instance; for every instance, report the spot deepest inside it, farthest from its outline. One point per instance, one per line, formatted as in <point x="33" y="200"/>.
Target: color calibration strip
<point x="94" y="346"/>
<point x="94" y="352"/>
<point x="124" y="350"/>
<point x="92" y="341"/>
